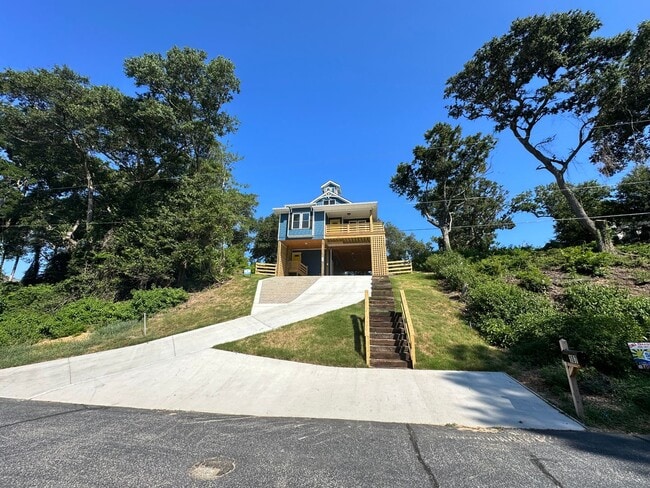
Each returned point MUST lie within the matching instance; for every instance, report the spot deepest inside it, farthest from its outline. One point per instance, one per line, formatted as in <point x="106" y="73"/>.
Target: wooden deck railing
<point x="366" y="328"/>
<point x="267" y="269"/>
<point x="355" y="229"/>
<point x="400" y="267"/>
<point x="408" y="326"/>
<point x="298" y="268"/>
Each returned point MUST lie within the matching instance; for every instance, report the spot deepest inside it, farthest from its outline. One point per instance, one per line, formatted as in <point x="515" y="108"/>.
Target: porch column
<point x="322" y="257"/>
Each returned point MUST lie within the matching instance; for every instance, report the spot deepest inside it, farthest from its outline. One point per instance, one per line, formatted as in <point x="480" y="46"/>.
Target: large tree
<point x="446" y="181"/>
<point x="547" y="201"/>
<point x="113" y="191"/>
<point x="621" y="133"/>
<point x="265" y="244"/>
<point x="403" y="246"/>
<point x="632" y="205"/>
<point x="546" y="68"/>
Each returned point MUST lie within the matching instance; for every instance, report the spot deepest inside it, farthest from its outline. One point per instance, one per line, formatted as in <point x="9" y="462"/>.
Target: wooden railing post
<point x="366" y="328"/>
<point x="408" y="326"/>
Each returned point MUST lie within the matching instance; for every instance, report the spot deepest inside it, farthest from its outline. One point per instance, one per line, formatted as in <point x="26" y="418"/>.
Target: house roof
<point x="344" y="209"/>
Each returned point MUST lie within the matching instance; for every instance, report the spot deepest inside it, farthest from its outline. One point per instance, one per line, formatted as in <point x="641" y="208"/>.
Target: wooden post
<point x="571" y="372"/>
<point x="144" y="323"/>
<point x="322" y="258"/>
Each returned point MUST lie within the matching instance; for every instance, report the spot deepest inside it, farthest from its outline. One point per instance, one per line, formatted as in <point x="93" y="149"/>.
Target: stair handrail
<point x="408" y="326"/>
<point x="366" y="328"/>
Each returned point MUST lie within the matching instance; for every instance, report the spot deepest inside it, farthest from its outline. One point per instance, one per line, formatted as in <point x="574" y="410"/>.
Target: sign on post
<point x="573" y="361"/>
<point x="640" y="354"/>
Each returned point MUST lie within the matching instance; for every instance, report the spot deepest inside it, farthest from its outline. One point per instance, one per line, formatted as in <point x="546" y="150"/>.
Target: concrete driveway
<point x="183" y="372"/>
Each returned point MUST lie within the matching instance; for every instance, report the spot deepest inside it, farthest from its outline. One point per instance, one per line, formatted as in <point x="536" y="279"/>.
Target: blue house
<point x="330" y="236"/>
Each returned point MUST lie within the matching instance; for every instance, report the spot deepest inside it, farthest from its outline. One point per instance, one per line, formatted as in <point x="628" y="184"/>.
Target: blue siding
<point x="299" y="233"/>
<point x="283" y="226"/>
<point x="319" y="225"/>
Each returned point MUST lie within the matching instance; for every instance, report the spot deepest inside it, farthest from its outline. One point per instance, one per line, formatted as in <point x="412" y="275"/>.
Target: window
<point x="329" y="201"/>
<point x="300" y="220"/>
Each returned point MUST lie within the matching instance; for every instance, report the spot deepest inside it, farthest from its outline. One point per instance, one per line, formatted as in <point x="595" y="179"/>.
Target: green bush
<point x="603" y="338"/>
<point x="437" y="261"/>
<point x="496" y="299"/>
<point x="156" y="299"/>
<point x="600" y="320"/>
<point x="24" y="327"/>
<point x="44" y="298"/>
<point x="584" y="261"/>
<point x="492" y="266"/>
<point x="87" y="313"/>
<point x="533" y="280"/>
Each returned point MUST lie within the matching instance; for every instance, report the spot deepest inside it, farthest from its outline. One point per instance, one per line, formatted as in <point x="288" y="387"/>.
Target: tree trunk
<point x="603" y="242"/>
<point x="601" y="235"/>
<point x="13" y="270"/>
<point x="90" y="204"/>
<point x="446" y="242"/>
<point x="2" y="262"/>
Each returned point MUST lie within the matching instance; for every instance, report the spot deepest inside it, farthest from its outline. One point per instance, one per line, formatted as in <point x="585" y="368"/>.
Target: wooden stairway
<point x="388" y="343"/>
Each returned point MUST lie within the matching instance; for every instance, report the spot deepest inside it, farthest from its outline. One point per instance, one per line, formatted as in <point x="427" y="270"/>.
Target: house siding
<point x="284" y="225"/>
<point x="319" y="225"/>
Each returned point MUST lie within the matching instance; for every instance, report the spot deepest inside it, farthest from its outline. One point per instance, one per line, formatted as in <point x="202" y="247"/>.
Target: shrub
<point x="600" y="320"/>
<point x="86" y="313"/>
<point x="437" y="261"/>
<point x="156" y="299"/>
<point x="44" y="298"/>
<point x="492" y="266"/>
<point x="584" y="261"/>
<point x="25" y="327"/>
<point x="603" y="338"/>
<point x="495" y="299"/>
<point x="534" y="280"/>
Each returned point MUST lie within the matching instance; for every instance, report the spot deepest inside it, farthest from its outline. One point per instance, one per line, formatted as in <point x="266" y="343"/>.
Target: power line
<point x="537" y="221"/>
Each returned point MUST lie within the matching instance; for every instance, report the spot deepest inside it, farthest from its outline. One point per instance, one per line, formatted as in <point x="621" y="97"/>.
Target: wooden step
<point x="388" y="363"/>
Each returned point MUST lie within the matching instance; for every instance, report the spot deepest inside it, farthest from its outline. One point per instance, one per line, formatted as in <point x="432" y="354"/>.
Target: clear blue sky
<point x="334" y="89"/>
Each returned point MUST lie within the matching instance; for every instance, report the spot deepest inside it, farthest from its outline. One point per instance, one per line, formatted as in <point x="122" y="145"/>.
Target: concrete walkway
<point x="183" y="372"/>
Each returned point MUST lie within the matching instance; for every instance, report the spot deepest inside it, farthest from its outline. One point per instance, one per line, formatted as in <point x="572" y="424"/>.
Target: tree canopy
<point x="446" y="181"/>
<point x="110" y="191"/>
<point x="550" y="67"/>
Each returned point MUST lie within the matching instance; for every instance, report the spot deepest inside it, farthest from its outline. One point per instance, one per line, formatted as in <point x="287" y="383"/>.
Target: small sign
<point x="640" y="353"/>
<point x="574" y="358"/>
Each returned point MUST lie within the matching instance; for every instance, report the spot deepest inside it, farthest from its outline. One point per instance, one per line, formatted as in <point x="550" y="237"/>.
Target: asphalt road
<point x="46" y="444"/>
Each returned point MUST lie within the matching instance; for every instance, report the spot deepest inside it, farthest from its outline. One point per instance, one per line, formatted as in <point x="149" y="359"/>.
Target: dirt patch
<point x="76" y="338"/>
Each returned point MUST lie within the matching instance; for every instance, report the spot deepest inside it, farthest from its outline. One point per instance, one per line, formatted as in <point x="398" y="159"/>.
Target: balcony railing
<point x="354" y="229"/>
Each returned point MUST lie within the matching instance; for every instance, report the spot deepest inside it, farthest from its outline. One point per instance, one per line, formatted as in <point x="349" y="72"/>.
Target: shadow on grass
<point x="357" y="328"/>
<point x="478" y="357"/>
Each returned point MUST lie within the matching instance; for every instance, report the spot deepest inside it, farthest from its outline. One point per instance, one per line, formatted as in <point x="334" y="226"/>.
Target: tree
<point x="545" y="68"/>
<point x="547" y="201"/>
<point x="146" y="174"/>
<point x="265" y="244"/>
<point x="446" y="181"/>
<point x="632" y="203"/>
<point x="621" y="132"/>
<point x="401" y="246"/>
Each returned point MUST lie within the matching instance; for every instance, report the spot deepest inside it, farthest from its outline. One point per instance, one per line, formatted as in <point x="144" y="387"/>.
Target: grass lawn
<point x="332" y="339"/>
<point x="218" y="304"/>
<point x="442" y="340"/>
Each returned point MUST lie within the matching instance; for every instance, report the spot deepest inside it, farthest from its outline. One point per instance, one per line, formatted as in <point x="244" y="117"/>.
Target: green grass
<point x="219" y="304"/>
<point x="443" y="339"/>
<point x="336" y="338"/>
<point x="332" y="339"/>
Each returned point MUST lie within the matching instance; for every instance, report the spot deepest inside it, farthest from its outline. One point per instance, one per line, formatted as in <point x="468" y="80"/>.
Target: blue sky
<point x="339" y="90"/>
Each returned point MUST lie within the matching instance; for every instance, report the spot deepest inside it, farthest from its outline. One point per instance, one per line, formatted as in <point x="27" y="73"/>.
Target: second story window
<point x="300" y="220"/>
